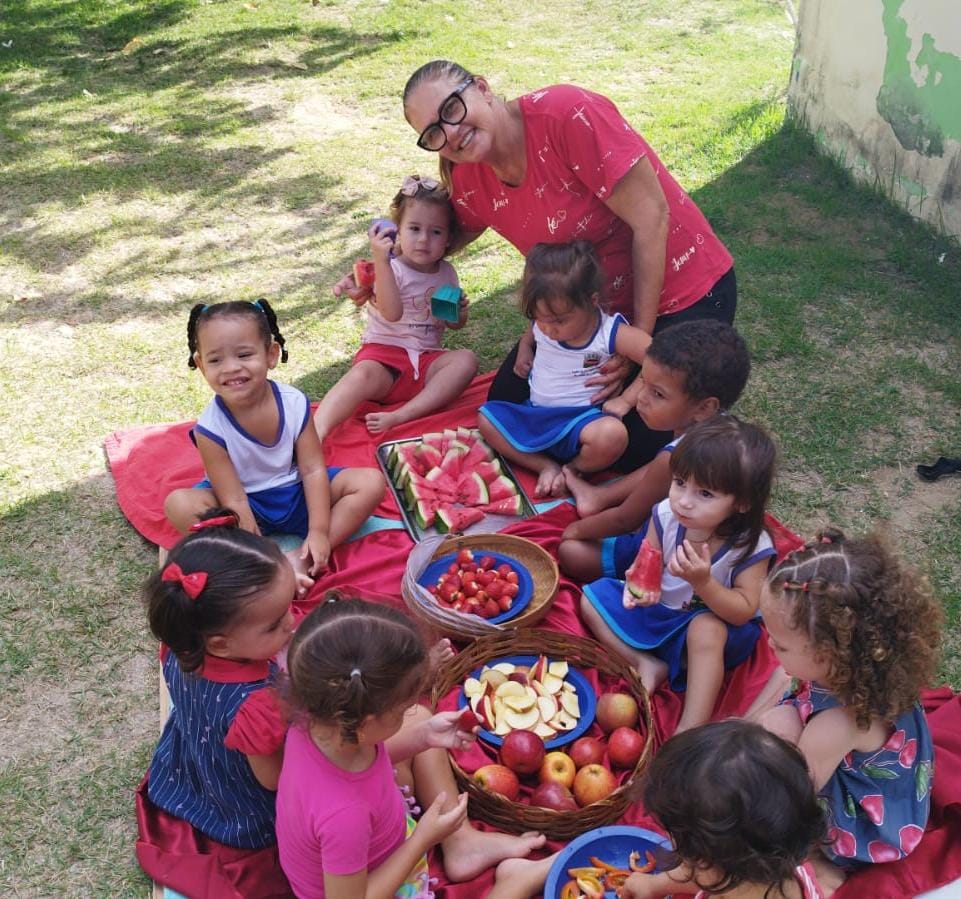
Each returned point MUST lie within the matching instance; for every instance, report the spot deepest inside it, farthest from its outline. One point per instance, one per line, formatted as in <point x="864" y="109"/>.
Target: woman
<point x="561" y="164"/>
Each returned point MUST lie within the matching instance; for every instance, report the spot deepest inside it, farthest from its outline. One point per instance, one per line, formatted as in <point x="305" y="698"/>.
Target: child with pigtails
<point x="260" y="453"/>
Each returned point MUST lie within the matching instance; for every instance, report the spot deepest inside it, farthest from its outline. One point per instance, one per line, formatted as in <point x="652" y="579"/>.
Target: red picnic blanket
<point x="149" y="462"/>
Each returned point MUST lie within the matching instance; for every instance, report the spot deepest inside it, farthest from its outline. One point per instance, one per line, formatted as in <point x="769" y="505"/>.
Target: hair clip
<point x="412" y="183"/>
<point x="796" y="585"/>
<point x="192" y="584"/>
<point x="217" y="521"/>
<point x="257" y="305"/>
<point x="355" y="672"/>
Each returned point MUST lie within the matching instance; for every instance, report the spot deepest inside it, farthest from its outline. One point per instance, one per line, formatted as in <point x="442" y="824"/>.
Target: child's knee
<point x="706" y="633"/>
<point x="576" y="557"/>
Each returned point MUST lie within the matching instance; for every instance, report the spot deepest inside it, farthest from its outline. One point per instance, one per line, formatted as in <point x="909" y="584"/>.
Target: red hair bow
<point x="230" y="520"/>
<point x="193" y="583"/>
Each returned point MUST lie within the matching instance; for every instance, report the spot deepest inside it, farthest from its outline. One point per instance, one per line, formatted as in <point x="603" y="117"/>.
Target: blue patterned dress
<point x="876" y="803"/>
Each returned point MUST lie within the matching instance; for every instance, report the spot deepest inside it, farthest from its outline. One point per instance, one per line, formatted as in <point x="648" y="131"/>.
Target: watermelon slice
<point x="643" y="578"/>
<point x="364" y="273"/>
<point x="472" y="489"/>
<point x="430" y="456"/>
<point x="453" y="520"/>
<point x="514" y="505"/>
<point x="501" y="487"/>
<point x="478" y="452"/>
<point x="489" y="471"/>
<point x="453" y="462"/>
<point x="441" y="482"/>
<point x="425" y="488"/>
<point x="424" y="513"/>
<point x="409" y="454"/>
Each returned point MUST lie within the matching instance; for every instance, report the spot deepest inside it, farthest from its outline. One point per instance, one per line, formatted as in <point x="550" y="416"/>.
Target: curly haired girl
<point x="859" y="632"/>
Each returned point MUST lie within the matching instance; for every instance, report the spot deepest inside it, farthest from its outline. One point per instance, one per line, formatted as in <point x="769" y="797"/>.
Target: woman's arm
<point x="225" y="481"/>
<point x="638" y="200"/>
<point x="313" y="474"/>
<point x="737" y="604"/>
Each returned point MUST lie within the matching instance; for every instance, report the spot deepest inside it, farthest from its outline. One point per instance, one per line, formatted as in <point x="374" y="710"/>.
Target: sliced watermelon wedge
<point x="643" y="578"/>
<point x="489" y="471"/>
<point x="513" y="505"/>
<point x="472" y="489"/>
<point x="452" y="520"/>
<point x="364" y="273"/>
<point x="501" y="487"/>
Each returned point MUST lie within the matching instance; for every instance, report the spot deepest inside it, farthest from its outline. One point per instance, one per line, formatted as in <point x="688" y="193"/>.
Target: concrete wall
<point x="878" y="82"/>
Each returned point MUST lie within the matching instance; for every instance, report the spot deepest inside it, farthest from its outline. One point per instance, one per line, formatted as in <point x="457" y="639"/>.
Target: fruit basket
<point x="536" y="563"/>
<point x="582" y="653"/>
<point x="451" y="481"/>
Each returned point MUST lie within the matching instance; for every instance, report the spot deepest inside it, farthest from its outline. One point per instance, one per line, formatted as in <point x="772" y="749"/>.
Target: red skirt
<point x="174" y="853"/>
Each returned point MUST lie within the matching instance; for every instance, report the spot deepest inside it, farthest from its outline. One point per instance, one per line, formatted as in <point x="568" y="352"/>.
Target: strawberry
<point x="486" y="562"/>
<point x="464" y="556"/>
<point x="505" y="602"/>
<point x="491" y="608"/>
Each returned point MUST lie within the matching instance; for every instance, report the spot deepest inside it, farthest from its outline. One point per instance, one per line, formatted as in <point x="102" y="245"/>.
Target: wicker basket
<point x="582" y="653"/>
<point x="540" y="564"/>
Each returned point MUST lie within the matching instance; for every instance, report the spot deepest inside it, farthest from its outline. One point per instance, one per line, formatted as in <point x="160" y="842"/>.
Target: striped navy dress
<point x="193" y="775"/>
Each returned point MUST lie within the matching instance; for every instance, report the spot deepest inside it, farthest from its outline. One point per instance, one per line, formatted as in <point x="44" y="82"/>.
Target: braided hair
<point x="235" y="564"/>
<point x="260" y="309"/>
<point x="351" y="659"/>
<point x="873" y="617"/>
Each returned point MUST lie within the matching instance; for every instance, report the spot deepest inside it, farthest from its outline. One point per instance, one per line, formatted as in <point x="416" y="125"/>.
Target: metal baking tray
<point x="490" y="523"/>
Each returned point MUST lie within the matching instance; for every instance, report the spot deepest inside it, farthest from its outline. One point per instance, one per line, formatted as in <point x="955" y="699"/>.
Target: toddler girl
<point x="739" y="808"/>
<point x="859" y="632"/>
<point x="221" y="609"/>
<point x="570" y="340"/>
<point x="401" y="360"/>
<point x="261" y="456"/>
<point x="343" y="827"/>
<point x="715" y="555"/>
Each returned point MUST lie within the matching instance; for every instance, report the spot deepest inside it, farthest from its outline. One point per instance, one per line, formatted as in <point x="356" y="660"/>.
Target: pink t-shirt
<point x="334" y="820"/>
<point x="417" y="329"/>
<point x="578" y="148"/>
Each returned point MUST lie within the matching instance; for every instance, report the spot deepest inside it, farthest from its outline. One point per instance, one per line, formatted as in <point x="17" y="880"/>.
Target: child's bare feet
<point x="468" y="852"/>
<point x="521" y="878"/>
<point x="303" y="579"/>
<point x="378" y="422"/>
<point x="440" y="653"/>
<point x="550" y="481"/>
<point x="585" y="495"/>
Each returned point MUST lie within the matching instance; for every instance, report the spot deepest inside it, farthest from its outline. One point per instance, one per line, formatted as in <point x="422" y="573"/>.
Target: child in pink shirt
<point x="344" y="827"/>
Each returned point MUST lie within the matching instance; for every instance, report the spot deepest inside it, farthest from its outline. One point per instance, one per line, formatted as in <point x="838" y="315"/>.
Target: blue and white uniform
<point x="268" y="471"/>
<point x="661" y="629"/>
<point x="560" y="403"/>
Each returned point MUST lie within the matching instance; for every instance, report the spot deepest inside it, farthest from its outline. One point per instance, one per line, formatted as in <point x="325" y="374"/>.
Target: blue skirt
<point x="554" y="430"/>
<point x="280" y="510"/>
<point x="662" y="631"/>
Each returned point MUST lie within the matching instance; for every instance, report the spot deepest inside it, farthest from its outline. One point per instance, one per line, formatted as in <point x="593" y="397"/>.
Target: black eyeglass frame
<point x="455" y="94"/>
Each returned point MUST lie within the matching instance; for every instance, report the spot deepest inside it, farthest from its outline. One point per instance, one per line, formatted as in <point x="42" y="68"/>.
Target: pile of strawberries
<point x="479" y="587"/>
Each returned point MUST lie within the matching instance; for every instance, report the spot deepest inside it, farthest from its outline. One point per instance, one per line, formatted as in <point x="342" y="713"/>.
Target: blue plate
<point x="525" y="583"/>
<point x="586" y="699"/>
<point x="609" y="844"/>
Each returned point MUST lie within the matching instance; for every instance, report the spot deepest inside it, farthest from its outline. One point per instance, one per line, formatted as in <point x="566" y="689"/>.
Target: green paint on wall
<point x="922" y="116"/>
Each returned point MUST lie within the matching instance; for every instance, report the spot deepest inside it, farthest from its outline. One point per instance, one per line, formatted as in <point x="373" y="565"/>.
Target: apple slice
<point x="502" y="728"/>
<point x="492" y="677"/>
<point x="571" y="704"/>
<point x="563" y="721"/>
<point x="558" y="669"/>
<point x="552" y="683"/>
<point x="485" y="711"/>
<point x="522" y="720"/>
<point x="505" y="667"/>
<point x="511" y="688"/>
<point x="473" y="687"/>
<point x="569" y="687"/>
<point x="544" y="731"/>
<point x="547" y="706"/>
<point x="540" y="689"/>
<point x="539" y="669"/>
<point x="520" y="703"/>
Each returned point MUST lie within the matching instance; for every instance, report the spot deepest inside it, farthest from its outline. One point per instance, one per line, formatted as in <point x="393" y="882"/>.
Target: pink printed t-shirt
<point x="334" y="820"/>
<point x="578" y="147"/>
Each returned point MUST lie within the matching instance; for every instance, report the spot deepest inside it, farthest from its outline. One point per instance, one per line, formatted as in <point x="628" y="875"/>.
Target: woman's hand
<point x="609" y="379"/>
<point x="444" y="731"/>
<point x="436" y="825"/>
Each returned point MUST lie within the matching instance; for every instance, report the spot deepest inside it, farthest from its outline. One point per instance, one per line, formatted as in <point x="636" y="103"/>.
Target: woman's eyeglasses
<point x="451" y="112"/>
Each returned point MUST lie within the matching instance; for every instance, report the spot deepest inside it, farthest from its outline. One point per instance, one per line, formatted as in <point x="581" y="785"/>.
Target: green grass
<point x="239" y="149"/>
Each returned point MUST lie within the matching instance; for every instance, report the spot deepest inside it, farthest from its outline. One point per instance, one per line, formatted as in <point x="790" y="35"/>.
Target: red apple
<point x="522" y="751"/>
<point x="558" y="767"/>
<point x="498" y="779"/>
<point x="616" y="710"/>
<point x="593" y="783"/>
<point x="587" y="751"/>
<point x="624" y="747"/>
<point x="554" y="795"/>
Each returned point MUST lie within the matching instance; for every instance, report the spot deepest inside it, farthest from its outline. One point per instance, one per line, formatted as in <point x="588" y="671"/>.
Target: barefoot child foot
<point x="550" y="480"/>
<point x="469" y="852"/>
<point x="378" y="422"/>
<point x="441" y="653"/>
<point x="585" y="495"/>
<point x="521" y="878"/>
